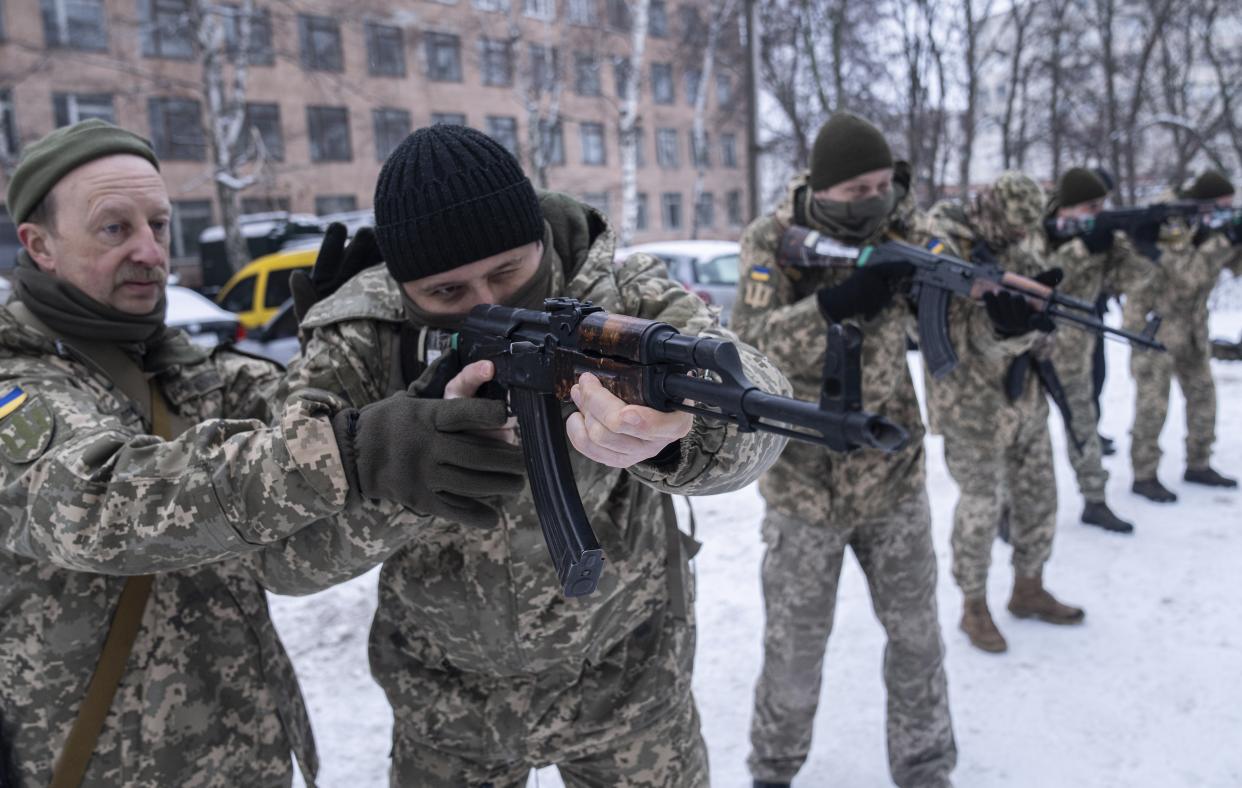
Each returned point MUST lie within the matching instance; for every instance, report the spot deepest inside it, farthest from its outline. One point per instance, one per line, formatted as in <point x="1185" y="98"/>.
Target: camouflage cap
<point x="1019" y="197"/>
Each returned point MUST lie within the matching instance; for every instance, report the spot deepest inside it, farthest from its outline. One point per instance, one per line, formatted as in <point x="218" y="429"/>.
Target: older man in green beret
<point x="145" y="505"/>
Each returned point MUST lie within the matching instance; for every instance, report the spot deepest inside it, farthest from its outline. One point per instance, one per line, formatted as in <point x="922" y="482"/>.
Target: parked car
<point x="277" y="339"/>
<point x="706" y="268"/>
<point x="257" y="292"/>
<point x="265" y="233"/>
<point x="207" y="324"/>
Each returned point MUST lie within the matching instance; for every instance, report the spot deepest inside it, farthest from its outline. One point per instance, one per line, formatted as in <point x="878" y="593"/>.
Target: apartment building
<point x="333" y="86"/>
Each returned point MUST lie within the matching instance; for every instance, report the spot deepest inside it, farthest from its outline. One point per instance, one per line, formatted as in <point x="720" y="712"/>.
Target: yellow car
<point x="257" y="292"/>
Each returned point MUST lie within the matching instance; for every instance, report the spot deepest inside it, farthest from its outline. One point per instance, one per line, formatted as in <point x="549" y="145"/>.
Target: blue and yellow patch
<point x="11" y="401"/>
<point x="760" y="274"/>
<point x="935" y="246"/>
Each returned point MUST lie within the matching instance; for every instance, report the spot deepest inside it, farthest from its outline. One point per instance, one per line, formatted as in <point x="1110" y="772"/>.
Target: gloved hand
<point x="866" y="292"/>
<point x="336" y="264"/>
<point x="1098" y="239"/>
<point x="1012" y="316"/>
<point x="424" y="454"/>
<point x="1051" y="278"/>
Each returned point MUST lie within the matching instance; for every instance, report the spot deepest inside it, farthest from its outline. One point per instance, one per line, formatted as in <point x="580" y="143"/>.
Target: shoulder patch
<point x="26" y="426"/>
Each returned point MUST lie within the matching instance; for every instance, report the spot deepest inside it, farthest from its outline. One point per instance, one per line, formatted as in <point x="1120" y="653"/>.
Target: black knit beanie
<point x="1209" y="186"/>
<point x="449" y="196"/>
<point x="1079" y="185"/>
<point x="845" y="147"/>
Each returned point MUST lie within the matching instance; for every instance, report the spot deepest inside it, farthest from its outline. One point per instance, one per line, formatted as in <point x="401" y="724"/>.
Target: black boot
<point x="1107" y="447"/>
<point x="1153" y="490"/>
<point x="762" y="784"/>
<point x="1098" y="513"/>
<point x="1209" y="477"/>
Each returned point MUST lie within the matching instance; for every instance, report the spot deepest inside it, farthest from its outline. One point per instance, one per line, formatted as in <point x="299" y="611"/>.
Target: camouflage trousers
<point x="1073" y="364"/>
<point x="1008" y="469"/>
<point x="668" y="754"/>
<point x="1153" y="372"/>
<point x="801" y="569"/>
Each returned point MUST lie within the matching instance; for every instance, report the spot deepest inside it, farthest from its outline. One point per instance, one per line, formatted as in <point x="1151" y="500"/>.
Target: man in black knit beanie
<point x="490" y="670"/>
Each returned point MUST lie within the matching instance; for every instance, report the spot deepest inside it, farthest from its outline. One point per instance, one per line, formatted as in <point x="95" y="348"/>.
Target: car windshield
<point x="717" y="271"/>
<point x="241" y="297"/>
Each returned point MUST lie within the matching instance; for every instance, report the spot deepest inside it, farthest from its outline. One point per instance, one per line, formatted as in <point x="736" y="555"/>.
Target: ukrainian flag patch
<point x="760" y="274"/>
<point x="12" y="400"/>
<point x="935" y="246"/>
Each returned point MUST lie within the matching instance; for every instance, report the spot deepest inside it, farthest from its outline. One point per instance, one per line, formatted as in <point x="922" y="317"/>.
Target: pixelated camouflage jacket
<point x="971" y="399"/>
<point x="88" y="496"/>
<point x="486" y="601"/>
<point x="1180" y="286"/>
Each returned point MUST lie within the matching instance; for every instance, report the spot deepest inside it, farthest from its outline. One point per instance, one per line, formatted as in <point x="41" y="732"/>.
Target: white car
<point x="706" y="268"/>
<point x="207" y="324"/>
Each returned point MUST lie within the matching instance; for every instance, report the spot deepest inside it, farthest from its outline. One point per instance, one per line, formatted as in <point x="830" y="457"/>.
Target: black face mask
<point x="852" y="222"/>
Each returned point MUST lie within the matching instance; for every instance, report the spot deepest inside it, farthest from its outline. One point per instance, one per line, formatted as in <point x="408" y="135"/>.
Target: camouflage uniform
<point x="819" y="503"/>
<point x="489" y="668"/>
<point x="998" y="451"/>
<point x="1120" y="270"/>
<point x="228" y="508"/>
<point x="1178" y="291"/>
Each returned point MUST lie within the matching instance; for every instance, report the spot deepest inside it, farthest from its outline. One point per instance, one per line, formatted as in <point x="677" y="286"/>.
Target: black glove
<point x="1050" y="278"/>
<point x="424" y="455"/>
<point x="335" y="265"/>
<point x="1099" y="239"/>
<point x="866" y="292"/>
<point x="1012" y="316"/>
<point x="1202" y="232"/>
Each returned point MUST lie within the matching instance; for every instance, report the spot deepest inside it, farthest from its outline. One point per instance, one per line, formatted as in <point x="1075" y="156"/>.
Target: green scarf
<point x="72" y="313"/>
<point x="548" y="279"/>
<point x="852" y="222"/>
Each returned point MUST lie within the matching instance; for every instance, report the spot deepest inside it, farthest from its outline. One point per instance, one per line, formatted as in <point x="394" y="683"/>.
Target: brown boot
<point x="1031" y="600"/>
<point x="978" y="625"/>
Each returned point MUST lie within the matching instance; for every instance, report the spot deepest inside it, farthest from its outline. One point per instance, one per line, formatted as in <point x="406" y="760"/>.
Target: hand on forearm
<point x="613" y="433"/>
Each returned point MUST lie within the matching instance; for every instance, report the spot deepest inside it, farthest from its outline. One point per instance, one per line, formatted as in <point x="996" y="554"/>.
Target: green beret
<point x="1209" y="186"/>
<point x="845" y="147"/>
<point x="1079" y="185"/>
<point x="45" y="161"/>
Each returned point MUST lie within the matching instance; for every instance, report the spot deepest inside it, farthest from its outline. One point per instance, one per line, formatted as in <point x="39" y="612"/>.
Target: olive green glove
<point x="426" y="455"/>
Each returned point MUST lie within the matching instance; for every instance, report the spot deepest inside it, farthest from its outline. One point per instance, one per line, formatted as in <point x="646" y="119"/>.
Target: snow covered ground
<point x="1147" y="693"/>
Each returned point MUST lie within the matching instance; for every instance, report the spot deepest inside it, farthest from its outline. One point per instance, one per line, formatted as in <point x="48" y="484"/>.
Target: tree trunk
<point x="629" y="123"/>
<point x="700" y="109"/>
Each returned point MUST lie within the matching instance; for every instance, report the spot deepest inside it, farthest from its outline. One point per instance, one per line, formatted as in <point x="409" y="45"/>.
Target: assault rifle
<point x="937" y="277"/>
<point x="539" y="355"/>
<point x="1141" y="225"/>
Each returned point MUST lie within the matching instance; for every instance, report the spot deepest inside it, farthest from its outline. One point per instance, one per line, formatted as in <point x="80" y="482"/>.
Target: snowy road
<point x="1147" y="693"/>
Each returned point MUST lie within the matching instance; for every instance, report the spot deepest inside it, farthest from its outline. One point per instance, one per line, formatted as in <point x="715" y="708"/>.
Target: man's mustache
<point x="140" y="273"/>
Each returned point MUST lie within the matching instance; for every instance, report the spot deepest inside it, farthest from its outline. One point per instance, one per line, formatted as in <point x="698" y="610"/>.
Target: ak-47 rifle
<point x="937" y="277"/>
<point x="1141" y="225"/>
<point x="540" y="354"/>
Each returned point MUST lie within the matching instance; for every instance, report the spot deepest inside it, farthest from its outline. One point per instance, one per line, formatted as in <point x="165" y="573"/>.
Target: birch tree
<point x="628" y="125"/>
<point x="720" y="17"/>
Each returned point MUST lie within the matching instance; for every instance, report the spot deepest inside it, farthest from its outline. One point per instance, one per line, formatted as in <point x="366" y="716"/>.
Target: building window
<point x="260" y="52"/>
<point x="582" y="12"/>
<point x="540" y="9"/>
<point x="619" y="14"/>
<point x="705" y="210"/>
<point x="692" y="77"/>
<point x="265" y="119"/>
<point x="177" y="129"/>
<point x="552" y="142"/>
<point x="77" y="24"/>
<point x="691" y="24"/>
<point x="728" y="150"/>
<point x="8" y="126"/>
<point x="662" y="83"/>
<point x="70" y="108"/>
<point x="166" y="30"/>
<point x="666" y="149"/>
<point x="504" y="130"/>
<point x="640" y="222"/>
<point x="733" y="201"/>
<point x="621" y="70"/>
<point x="392" y="126"/>
<point x="335" y="203"/>
<point x="328" y="128"/>
<point x="657" y="19"/>
<point x="545" y="68"/>
<point x="724" y="90"/>
<point x="496" y="61"/>
<point x="640" y="144"/>
<point x="448" y="119"/>
<point x="586" y="75"/>
<point x="265" y="204"/>
<point x="321" y="43"/>
<point x="670" y="209"/>
<point x="593" y="143"/>
<point x="492" y="5"/>
<point x="597" y="200"/>
<point x="189" y="219"/>
<point x="385" y="51"/>
<point x="443" y="57"/>
<point x="700" y="155"/>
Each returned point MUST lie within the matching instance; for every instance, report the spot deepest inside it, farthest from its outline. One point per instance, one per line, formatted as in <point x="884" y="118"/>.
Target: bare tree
<point x="720" y="17"/>
<point x="629" y="120"/>
<point x="977" y="53"/>
<point x="1013" y="130"/>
